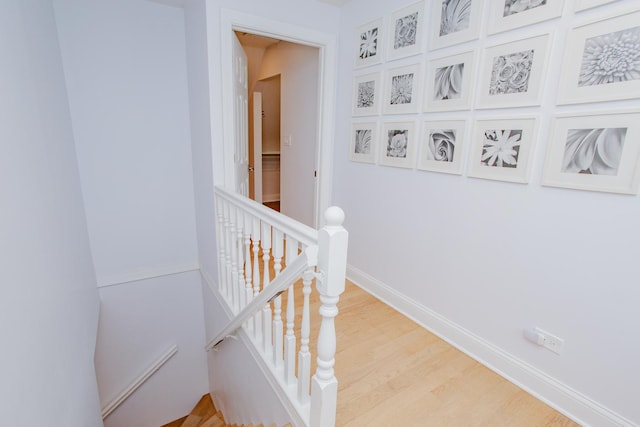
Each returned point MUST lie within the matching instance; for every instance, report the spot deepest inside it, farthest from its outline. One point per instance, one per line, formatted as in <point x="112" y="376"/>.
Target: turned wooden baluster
<point x="222" y="258"/>
<point x="229" y="247"/>
<point x="291" y="253"/>
<point x="266" y="311"/>
<point x="234" y="258"/>
<point x="248" y="279"/>
<point x="239" y="285"/>
<point x="304" y="356"/>
<point x="278" y="248"/>
<point x="255" y="236"/>
<point x="332" y="265"/>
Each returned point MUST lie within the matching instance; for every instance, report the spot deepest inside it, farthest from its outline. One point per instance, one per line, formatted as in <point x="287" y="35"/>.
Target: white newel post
<point x="332" y="265"/>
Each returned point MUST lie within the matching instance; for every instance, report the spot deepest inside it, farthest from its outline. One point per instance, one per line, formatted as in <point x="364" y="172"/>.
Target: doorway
<point x="325" y="43"/>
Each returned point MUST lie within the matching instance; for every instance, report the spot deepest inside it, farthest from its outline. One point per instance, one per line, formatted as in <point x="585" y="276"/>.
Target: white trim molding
<point x="135" y="384"/>
<point x="150" y="273"/>
<point x="561" y="397"/>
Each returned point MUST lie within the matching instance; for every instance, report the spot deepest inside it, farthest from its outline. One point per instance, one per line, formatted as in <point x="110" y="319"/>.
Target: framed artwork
<point x="405" y="33"/>
<point x="502" y="149"/>
<point x="442" y="146"/>
<point x="512" y="73"/>
<point x="366" y="95"/>
<point x="588" y="4"/>
<point x="369" y="44"/>
<point x="363" y="142"/>
<point x="453" y="22"/>
<point x="594" y="152"/>
<point x="509" y="14"/>
<point x="398" y="144"/>
<point x="601" y="62"/>
<point x="448" y="83"/>
<point x="402" y="90"/>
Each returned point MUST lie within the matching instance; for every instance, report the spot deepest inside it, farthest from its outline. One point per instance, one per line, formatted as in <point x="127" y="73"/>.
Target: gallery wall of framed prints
<point x="481" y="88"/>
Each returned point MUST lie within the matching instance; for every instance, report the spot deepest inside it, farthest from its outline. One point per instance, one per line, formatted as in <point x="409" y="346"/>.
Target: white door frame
<point x="231" y="20"/>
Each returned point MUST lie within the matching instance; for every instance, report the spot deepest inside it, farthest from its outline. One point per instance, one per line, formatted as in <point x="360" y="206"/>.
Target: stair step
<point x="176" y="423"/>
<point x="192" y="421"/>
<point x="214" y="421"/>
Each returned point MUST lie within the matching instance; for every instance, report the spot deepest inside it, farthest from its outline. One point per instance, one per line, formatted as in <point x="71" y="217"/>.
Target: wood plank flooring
<point x="393" y="372"/>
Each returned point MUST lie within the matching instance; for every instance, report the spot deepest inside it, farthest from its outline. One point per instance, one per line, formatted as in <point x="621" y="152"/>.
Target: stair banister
<point x="306" y="259"/>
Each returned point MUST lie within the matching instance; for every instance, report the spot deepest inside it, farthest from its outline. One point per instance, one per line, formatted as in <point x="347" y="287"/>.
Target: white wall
<point x="494" y="257"/>
<point x="48" y="298"/>
<point x="125" y="66"/>
<point x="298" y="67"/>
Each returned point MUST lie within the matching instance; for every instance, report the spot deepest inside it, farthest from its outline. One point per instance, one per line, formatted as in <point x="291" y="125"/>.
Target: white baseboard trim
<point x="561" y="397"/>
<point x="295" y="419"/>
<point x="151" y="273"/>
<point x="135" y="384"/>
<point x="266" y="198"/>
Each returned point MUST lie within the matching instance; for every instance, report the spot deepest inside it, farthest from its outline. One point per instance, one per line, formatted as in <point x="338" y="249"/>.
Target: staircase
<point x="205" y="414"/>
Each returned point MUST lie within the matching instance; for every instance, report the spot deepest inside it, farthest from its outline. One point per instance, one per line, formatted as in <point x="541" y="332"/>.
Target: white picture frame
<point x="580" y="5"/>
<point x="449" y="83"/>
<point x="512" y="73"/>
<point x="367" y="94"/>
<point x="369" y="43"/>
<point x="442" y="146"/>
<point x="502" y="149"/>
<point x="454" y="22"/>
<point x="403" y="89"/>
<point x="363" y="142"/>
<point x="398" y="144"/>
<point x="576" y="158"/>
<point x="509" y="14"/>
<point x="406" y="31"/>
<point x="582" y="79"/>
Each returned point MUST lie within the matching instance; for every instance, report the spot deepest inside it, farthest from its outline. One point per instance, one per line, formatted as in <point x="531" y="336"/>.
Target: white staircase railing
<point x="262" y="254"/>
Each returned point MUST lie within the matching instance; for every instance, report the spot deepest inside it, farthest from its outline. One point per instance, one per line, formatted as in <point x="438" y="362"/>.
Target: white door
<point x="241" y="123"/>
<point x="257" y="146"/>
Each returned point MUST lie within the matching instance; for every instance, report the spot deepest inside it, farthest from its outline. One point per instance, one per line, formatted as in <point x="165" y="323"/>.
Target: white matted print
<point x="367" y="95"/>
<point x="448" y="83"/>
<point x="594" y="152"/>
<point x="602" y="61"/>
<point x="398" y="144"/>
<point x="369" y="43"/>
<point x="502" y="149"/>
<point x="364" y="137"/>
<point x="453" y="22"/>
<point x="588" y="4"/>
<point x="442" y="146"/>
<point x="402" y="90"/>
<point x="509" y="14"/>
<point x="512" y="73"/>
<point x="406" y="31"/>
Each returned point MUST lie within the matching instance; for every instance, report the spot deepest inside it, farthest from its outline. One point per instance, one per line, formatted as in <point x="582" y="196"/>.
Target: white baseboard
<point x="266" y="198"/>
<point x="561" y="397"/>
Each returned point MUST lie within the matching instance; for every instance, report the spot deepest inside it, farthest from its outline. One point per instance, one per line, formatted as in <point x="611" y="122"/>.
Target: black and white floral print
<point x="363" y="141"/>
<point x="512" y="7"/>
<point x="405" y="31"/>
<point x="369" y="43"/>
<point x="448" y="82"/>
<point x="366" y="94"/>
<point x="401" y="89"/>
<point x="611" y="58"/>
<point x="455" y="16"/>
<point x="511" y="73"/>
<point x="397" y="143"/>
<point x="441" y="145"/>
<point x="593" y="151"/>
<point x="500" y="148"/>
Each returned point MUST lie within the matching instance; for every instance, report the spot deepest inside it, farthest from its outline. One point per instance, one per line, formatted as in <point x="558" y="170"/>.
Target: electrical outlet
<point x="550" y="342"/>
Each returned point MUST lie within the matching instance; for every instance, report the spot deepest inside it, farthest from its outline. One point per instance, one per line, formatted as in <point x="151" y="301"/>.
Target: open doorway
<point x="283" y="87"/>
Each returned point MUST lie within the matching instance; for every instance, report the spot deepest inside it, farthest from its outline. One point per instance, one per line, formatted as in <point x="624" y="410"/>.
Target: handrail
<point x="306" y="259"/>
<point x="302" y="233"/>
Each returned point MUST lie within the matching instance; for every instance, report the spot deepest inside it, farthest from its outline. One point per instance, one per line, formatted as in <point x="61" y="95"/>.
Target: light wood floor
<point x="392" y="372"/>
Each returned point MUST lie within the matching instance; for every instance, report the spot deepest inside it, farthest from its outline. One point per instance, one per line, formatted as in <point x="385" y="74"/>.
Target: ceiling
<point x="253" y="40"/>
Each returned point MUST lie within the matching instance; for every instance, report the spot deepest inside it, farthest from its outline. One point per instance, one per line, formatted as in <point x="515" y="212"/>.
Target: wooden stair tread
<point x="175" y="423"/>
<point x="192" y="421"/>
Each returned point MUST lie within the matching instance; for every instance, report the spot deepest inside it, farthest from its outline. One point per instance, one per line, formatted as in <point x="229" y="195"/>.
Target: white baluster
<point x="266" y="311"/>
<point x="221" y="247"/>
<point x="290" y="337"/>
<point x="240" y="264"/>
<point x="332" y="264"/>
<point x="233" y="247"/>
<point x="278" y="246"/>
<point x="255" y="236"/>
<point x="248" y="222"/>
<point x="304" y="356"/>
<point x="229" y="250"/>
